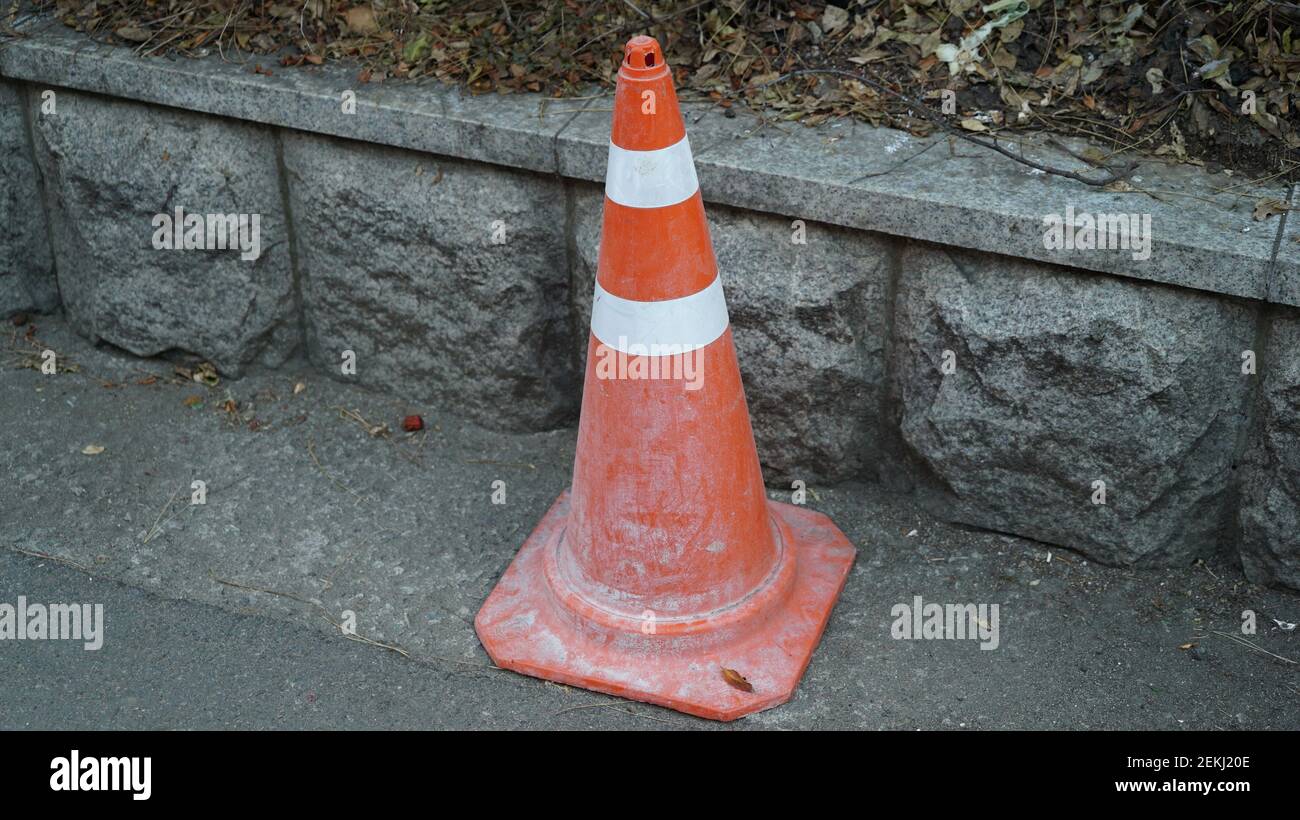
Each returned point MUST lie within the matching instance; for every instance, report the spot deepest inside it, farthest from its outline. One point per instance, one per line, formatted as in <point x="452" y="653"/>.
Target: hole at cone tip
<point x="642" y="52"/>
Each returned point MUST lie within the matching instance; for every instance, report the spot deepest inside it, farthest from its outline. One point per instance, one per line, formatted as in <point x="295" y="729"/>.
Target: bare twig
<point x="621" y="29"/>
<point x="1250" y="645"/>
<point x="374" y="430"/>
<point x="632" y="6"/>
<point x="1111" y="175"/>
<point x="153" y="531"/>
<point x="1206" y="567"/>
<point x="311" y="451"/>
<point x="47" y="557"/>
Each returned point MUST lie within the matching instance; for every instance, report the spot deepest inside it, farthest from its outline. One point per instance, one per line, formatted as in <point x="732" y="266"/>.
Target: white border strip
<point x="662" y="328"/>
<point x="651" y="179"/>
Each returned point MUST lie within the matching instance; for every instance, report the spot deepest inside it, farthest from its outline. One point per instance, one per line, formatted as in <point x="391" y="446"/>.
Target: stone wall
<point x="26" y="267"/>
<point x="1270" y="508"/>
<point x="1065" y="384"/>
<point x="109" y="166"/>
<point x="448" y="279"/>
<point x="1009" y="393"/>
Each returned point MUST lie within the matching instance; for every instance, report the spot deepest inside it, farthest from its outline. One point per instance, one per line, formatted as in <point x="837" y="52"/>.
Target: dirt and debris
<point x="1189" y="81"/>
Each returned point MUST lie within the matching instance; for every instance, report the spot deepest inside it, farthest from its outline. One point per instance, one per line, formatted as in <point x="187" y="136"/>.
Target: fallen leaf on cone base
<point x="737" y="680"/>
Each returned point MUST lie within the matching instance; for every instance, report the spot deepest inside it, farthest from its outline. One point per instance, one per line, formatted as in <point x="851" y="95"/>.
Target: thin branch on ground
<point x="155" y="529"/>
<point x="47" y="557"/>
<point x="1111" y="176"/>
<point x="1250" y="645"/>
<point x="311" y="451"/>
<point x="629" y="26"/>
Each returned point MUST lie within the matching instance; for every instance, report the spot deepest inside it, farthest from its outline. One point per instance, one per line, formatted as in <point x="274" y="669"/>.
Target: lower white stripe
<point x="659" y="328"/>
<point x="651" y="179"/>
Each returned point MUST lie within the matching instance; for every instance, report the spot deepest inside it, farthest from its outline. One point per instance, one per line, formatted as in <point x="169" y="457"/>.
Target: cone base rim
<point x="524" y="629"/>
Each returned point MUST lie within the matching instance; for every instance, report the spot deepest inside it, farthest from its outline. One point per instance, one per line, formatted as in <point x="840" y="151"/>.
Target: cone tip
<point x="643" y="53"/>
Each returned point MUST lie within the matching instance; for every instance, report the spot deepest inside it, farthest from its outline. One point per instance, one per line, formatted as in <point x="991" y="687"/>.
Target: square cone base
<point x="525" y="630"/>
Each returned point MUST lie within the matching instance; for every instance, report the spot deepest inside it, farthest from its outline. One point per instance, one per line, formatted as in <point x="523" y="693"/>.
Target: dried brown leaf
<point x="1269" y="207"/>
<point x="133" y="33"/>
<point x="736" y="680"/>
<point x="361" y="20"/>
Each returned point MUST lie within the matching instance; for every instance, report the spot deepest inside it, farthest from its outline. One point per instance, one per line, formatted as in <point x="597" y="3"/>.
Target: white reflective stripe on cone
<point x="659" y="328"/>
<point x="651" y="179"/>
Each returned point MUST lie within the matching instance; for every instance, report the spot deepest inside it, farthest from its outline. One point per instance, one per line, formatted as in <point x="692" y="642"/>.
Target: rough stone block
<point x="26" y="265"/>
<point x="1270" y="503"/>
<point x="447" y="279"/>
<point x="110" y="167"/>
<point x="1064" y="379"/>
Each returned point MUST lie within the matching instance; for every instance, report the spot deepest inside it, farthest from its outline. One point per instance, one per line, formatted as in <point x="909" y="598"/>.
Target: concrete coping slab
<point x="1202" y="232"/>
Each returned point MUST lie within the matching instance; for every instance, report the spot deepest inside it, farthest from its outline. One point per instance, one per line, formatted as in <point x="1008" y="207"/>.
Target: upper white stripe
<point x="671" y="325"/>
<point x="651" y="179"/>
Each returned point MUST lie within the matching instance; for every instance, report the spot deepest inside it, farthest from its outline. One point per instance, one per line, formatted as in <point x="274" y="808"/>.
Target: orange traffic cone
<point x="665" y="575"/>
